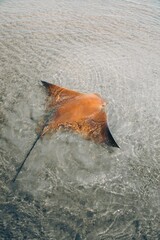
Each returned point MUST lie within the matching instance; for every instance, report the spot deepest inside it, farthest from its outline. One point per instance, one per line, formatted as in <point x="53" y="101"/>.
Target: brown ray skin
<point x="82" y="113"/>
<point x="58" y="94"/>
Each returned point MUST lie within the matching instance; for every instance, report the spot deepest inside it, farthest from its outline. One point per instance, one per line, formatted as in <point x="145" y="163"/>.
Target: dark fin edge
<point x="46" y="84"/>
<point x="109" y="139"/>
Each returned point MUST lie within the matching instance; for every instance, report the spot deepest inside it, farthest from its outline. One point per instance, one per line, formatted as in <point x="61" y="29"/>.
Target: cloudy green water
<point x="70" y="188"/>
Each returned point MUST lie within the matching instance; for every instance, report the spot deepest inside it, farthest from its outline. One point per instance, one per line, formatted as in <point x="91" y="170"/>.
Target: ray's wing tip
<point x="116" y="145"/>
<point x="110" y="140"/>
<point x="112" y="144"/>
<point x="46" y="84"/>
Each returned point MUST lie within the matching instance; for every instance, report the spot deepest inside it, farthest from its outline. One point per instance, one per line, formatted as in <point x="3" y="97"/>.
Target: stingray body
<point x="80" y="112"/>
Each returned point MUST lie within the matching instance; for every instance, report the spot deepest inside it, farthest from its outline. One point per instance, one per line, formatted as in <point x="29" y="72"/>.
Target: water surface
<point x="71" y="188"/>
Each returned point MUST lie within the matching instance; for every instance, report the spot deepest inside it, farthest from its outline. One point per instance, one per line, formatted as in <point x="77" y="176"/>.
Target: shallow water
<point x="70" y="188"/>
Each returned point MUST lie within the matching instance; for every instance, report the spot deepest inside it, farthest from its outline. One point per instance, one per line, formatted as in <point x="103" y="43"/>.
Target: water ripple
<point x="71" y="188"/>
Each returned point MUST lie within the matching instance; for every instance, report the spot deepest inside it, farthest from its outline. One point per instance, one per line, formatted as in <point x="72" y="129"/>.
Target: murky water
<point x="71" y="188"/>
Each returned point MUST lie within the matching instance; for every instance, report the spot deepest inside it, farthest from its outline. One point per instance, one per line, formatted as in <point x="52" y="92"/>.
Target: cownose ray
<point x="81" y="112"/>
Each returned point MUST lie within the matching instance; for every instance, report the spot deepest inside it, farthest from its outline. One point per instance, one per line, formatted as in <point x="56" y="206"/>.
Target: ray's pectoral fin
<point x="109" y="140"/>
<point x="58" y="93"/>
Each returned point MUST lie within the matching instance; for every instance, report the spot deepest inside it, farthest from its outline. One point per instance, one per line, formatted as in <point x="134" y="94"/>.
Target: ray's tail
<point x="33" y="145"/>
<point x="27" y="155"/>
